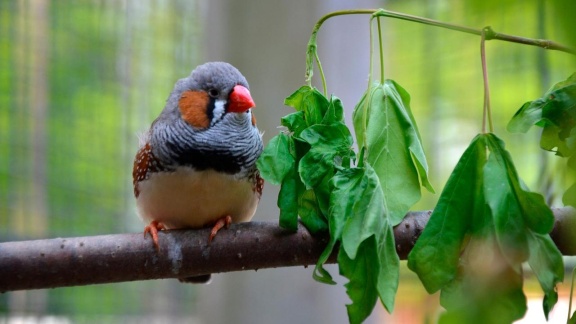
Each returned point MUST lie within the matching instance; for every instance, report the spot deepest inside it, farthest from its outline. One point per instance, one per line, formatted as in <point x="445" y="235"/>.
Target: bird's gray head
<point x="207" y="94"/>
<point x="209" y="113"/>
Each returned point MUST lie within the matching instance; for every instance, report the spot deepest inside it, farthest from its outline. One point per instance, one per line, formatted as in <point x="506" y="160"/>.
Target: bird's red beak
<point x="240" y="100"/>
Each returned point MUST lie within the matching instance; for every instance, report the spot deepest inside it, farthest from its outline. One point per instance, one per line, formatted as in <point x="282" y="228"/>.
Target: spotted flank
<point x="145" y="164"/>
<point x="258" y="183"/>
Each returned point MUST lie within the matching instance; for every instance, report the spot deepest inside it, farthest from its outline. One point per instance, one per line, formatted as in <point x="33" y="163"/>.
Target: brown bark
<point x="183" y="253"/>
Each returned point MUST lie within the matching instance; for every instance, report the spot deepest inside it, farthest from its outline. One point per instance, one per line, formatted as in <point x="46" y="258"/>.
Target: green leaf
<point x="384" y="123"/>
<point x="358" y="214"/>
<point x="326" y="143"/>
<point x="276" y="160"/>
<point x="511" y="203"/>
<point x="547" y="264"/>
<point x="294" y="122"/>
<point x="310" y="212"/>
<point x="322" y="192"/>
<point x="528" y="115"/>
<point x="487" y="288"/>
<point x="485" y="297"/>
<point x="507" y="216"/>
<point x="311" y="102"/>
<point x="556" y="113"/>
<point x="569" y="197"/>
<point x="388" y="272"/>
<point x="485" y="225"/>
<point x="335" y="112"/>
<point x="550" y="141"/>
<point x="572" y="319"/>
<point x="290" y="190"/>
<point x="363" y="275"/>
<point x="437" y="251"/>
<point x="340" y="209"/>
<point x="368" y="218"/>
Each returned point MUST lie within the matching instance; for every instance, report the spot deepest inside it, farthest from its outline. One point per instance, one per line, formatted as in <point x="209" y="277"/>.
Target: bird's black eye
<point x="213" y="93"/>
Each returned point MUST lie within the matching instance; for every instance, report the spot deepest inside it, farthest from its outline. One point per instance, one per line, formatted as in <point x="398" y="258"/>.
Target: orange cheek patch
<point x="253" y="119"/>
<point x="193" y="105"/>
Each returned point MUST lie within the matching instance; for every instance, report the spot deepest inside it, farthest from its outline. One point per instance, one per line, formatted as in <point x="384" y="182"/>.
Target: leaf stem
<point x="324" y="86"/>
<point x="311" y="53"/>
<point x="368" y="93"/>
<point x="487" y="112"/>
<point x="381" y="51"/>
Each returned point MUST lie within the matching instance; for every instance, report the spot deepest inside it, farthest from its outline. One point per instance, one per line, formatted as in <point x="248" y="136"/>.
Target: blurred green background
<point x="80" y="79"/>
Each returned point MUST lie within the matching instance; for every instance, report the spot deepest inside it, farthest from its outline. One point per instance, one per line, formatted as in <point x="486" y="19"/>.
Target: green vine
<point x="312" y="54"/>
<point x="484" y="212"/>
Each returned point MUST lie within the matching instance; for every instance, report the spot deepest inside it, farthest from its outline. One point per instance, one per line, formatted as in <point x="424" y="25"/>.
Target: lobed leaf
<point x="556" y="113"/>
<point x="363" y="275"/>
<point x="505" y="209"/>
<point x="384" y="123"/>
<point x="343" y="183"/>
<point x="368" y="219"/>
<point x="485" y="225"/>
<point x="532" y="207"/>
<point x="367" y="216"/>
<point x="547" y="264"/>
<point x="357" y="217"/>
<point x="342" y="197"/>
<point x="435" y="256"/>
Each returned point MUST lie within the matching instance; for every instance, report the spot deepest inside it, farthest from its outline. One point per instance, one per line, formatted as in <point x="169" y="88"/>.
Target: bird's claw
<point x="224" y="221"/>
<point x="153" y="229"/>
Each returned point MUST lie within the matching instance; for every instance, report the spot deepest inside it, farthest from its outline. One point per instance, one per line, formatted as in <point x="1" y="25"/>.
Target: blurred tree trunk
<point x="31" y="206"/>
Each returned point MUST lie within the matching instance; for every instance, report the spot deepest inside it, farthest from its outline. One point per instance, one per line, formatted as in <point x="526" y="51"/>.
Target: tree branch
<point x="76" y="261"/>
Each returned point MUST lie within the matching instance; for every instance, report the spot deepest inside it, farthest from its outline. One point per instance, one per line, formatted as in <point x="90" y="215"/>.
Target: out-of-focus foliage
<point x="78" y="81"/>
<point x="556" y="113"/>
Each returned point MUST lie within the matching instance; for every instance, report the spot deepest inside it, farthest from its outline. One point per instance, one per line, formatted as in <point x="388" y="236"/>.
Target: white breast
<point x="187" y="198"/>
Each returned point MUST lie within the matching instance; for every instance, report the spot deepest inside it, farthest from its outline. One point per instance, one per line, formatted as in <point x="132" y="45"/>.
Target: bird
<point x="196" y="165"/>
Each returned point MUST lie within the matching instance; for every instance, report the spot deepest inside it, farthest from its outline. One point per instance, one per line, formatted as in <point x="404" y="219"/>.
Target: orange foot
<point x="224" y="221"/>
<point x="153" y="229"/>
